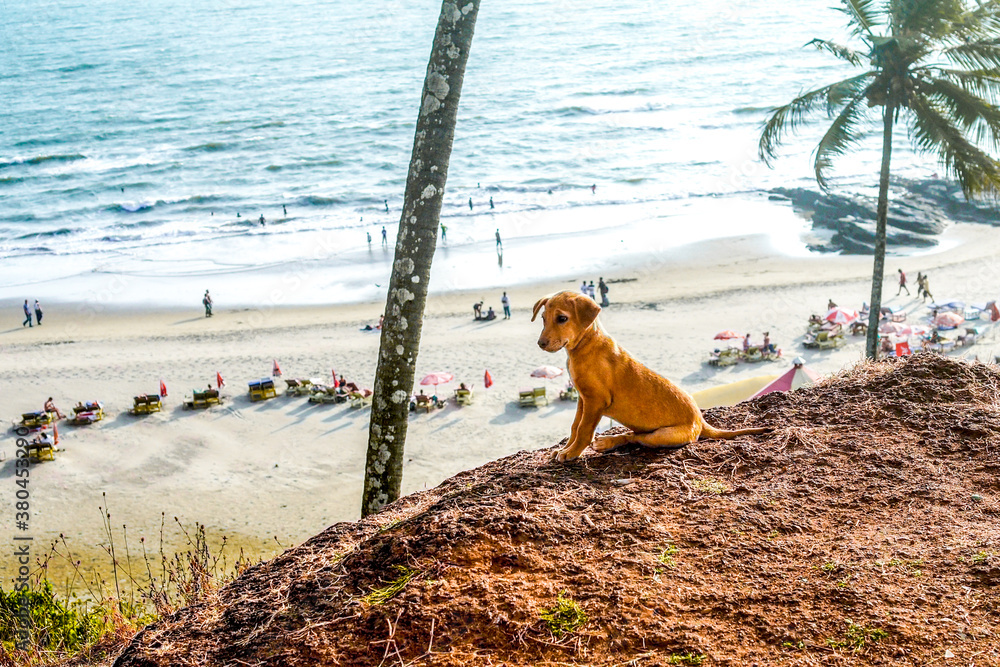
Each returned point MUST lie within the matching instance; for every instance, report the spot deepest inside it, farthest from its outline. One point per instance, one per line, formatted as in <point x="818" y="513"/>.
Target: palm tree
<point x="415" y="244"/>
<point x="933" y="63"/>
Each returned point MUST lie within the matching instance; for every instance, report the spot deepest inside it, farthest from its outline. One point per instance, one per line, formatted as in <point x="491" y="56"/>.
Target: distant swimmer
<point x="444" y="232"/>
<point x="593" y="189"/>
<point x="284" y="210"/>
<point x="237" y="214"/>
<point x="261" y="221"/>
<point x="470" y="203"/>
<point x="369" y="238"/>
<point x="386" y="205"/>
<point x="491" y="202"/>
<point x="499" y="242"/>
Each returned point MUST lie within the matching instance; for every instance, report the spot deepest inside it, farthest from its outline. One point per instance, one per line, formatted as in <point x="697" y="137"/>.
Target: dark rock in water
<point x="918" y="212"/>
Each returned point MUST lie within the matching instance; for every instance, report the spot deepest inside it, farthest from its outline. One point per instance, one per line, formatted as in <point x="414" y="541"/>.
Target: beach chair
<point x="423" y="402"/>
<point x="144" y="404"/>
<point x="87" y="413"/>
<point x="261" y="390"/>
<point x="859" y="328"/>
<point x="726" y="357"/>
<point x="540" y="395"/>
<point x="463" y="396"/>
<point x="203" y="399"/>
<point x="526" y="398"/>
<point x="360" y="399"/>
<point x="753" y="354"/>
<point x="38" y="450"/>
<point x="569" y="394"/>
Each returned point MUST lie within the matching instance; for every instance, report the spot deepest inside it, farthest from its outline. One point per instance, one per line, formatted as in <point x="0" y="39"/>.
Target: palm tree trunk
<point x="878" y="271"/>
<point x="415" y="244"/>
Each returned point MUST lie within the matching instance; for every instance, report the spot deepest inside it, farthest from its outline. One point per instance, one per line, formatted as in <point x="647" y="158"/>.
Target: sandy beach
<point x="271" y="474"/>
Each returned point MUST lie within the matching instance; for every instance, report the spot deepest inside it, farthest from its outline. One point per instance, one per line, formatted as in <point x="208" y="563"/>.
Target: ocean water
<point x="142" y="142"/>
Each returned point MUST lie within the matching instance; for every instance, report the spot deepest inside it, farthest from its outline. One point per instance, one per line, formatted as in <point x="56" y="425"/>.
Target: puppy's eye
<point x="562" y="319"/>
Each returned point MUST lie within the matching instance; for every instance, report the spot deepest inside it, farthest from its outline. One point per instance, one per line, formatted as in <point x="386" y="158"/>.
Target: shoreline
<point x="278" y="471"/>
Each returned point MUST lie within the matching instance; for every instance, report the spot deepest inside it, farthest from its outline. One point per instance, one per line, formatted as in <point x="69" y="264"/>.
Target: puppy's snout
<point x="543" y="343"/>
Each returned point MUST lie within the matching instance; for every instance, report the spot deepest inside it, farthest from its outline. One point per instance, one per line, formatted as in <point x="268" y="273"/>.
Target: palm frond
<point x="786" y="119"/>
<point x="840" y="51"/>
<point x="981" y="55"/>
<point x="864" y="15"/>
<point x="978" y="82"/>
<point x="933" y="132"/>
<point x="977" y="117"/>
<point x="979" y="23"/>
<point x="846" y="131"/>
<point x="930" y="19"/>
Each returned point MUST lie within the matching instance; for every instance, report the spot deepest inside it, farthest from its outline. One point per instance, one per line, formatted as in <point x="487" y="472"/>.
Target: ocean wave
<point x="209" y="147"/>
<point x="317" y="200"/>
<point x="30" y="143"/>
<point x="305" y="164"/>
<point x="10" y="180"/>
<point x="78" y="68"/>
<point x="52" y="233"/>
<point x="41" y="159"/>
<point x="577" y="110"/>
<point x="275" y="123"/>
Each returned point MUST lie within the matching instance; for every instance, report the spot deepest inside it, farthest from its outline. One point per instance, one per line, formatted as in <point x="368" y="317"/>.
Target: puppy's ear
<point x="585" y="309"/>
<point x="538" y="306"/>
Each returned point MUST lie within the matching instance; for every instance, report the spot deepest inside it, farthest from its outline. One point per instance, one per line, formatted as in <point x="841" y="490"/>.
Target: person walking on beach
<point x="38" y="312"/>
<point x="491" y="203"/>
<point x="591" y="292"/>
<point x="386" y="205"/>
<point x="902" y="283"/>
<point x="207" y="302"/>
<point x="284" y="210"/>
<point x="261" y="220"/>
<point x="603" y="289"/>
<point x="927" y="290"/>
<point x="920" y="283"/>
<point x="27" y="315"/>
<point x="385" y="237"/>
<point x="499" y="242"/>
<point x="369" y="239"/>
<point x="444" y="232"/>
<point x="470" y="203"/>
<point x="506" y="306"/>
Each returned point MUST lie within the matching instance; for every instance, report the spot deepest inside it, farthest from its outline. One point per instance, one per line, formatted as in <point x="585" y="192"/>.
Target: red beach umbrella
<point x="219" y="382"/>
<point x="163" y="388"/>
<point x="437" y="378"/>
<point x="276" y="371"/>
<point x="728" y="334"/>
<point x="840" y="316"/>
<point x="487" y="379"/>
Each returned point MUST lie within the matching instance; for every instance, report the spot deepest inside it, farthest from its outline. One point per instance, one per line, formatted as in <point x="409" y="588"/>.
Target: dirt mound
<point x="864" y="530"/>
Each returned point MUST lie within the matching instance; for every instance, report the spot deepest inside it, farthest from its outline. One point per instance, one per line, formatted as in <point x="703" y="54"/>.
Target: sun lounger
<point x="87" y="413"/>
<point x="569" y="394"/>
<point x="144" y="404"/>
<point x="824" y="340"/>
<point x="463" y="396"/>
<point x="261" y="390"/>
<point x="360" y="399"/>
<point x="203" y="399"/>
<point x="540" y="395"/>
<point x="726" y="357"/>
<point x="424" y="402"/>
<point x="38" y="450"/>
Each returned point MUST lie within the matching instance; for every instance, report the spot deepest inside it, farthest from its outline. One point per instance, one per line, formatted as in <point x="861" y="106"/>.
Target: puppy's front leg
<point x="588" y="416"/>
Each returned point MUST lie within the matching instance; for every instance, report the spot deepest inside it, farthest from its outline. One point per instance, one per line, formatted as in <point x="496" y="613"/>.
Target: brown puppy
<point x="612" y="383"/>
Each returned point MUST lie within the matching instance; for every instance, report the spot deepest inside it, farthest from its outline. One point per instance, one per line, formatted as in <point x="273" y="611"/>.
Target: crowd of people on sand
<point x="28" y="314"/>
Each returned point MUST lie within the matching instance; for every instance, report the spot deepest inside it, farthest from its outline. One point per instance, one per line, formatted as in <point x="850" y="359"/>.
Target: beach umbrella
<point x="840" y="315"/>
<point x="728" y="334"/>
<point x="437" y="378"/>
<point x="219" y="382"/>
<point x="948" y="320"/>
<point x="487" y="379"/>
<point x="55" y="433"/>
<point x="276" y="371"/>
<point x="547" y="372"/>
<point x="892" y="328"/>
<point x="799" y="376"/>
<point x="163" y="388"/>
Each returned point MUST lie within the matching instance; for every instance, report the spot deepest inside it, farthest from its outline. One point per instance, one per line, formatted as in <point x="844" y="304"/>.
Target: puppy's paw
<point x="564" y="455"/>
<point x="608" y="442"/>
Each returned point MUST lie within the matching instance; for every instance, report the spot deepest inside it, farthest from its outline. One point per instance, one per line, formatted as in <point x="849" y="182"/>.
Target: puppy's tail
<point x="709" y="431"/>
